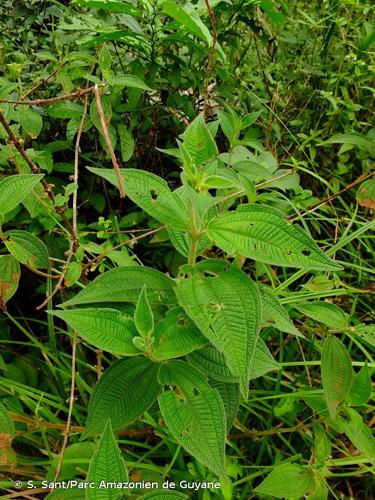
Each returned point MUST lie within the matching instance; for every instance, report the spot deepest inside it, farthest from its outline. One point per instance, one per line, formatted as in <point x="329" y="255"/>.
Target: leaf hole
<point x="153" y="194"/>
<point x="196" y="391"/>
<point x="306" y="252"/>
<point x="183" y="322"/>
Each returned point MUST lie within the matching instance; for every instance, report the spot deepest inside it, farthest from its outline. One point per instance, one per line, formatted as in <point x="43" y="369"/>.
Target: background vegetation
<point x="286" y="89"/>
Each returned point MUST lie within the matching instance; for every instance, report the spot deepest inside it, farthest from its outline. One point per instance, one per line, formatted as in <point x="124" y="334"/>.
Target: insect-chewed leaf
<point x="230" y="395"/>
<point x="262" y="233"/>
<point x="107" y="329"/>
<point x="366" y="194"/>
<point x="287" y="481"/>
<point x="9" y="278"/>
<point x="14" y="189"/>
<point x="124" y="284"/>
<point x="360" y="391"/>
<point x="359" y="433"/>
<point x="227" y="310"/>
<point x="337" y="373"/>
<point x="125" y="391"/>
<point x="176" y="335"/>
<point x="194" y="413"/>
<point x="199" y="142"/>
<point x="324" y="312"/>
<point x="274" y="314"/>
<point x="27" y="249"/>
<point x="107" y="464"/>
<point x="151" y="193"/>
<point x="164" y="495"/>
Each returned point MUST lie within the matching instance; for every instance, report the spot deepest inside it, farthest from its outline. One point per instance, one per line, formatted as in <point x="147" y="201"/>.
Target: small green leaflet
<point x="337" y="373"/>
<point x="111" y="5"/>
<point x="274" y="314"/>
<point x="126" y="142"/>
<point x="124" y="284"/>
<point x="107" y="329"/>
<point x="199" y="142"/>
<point x="152" y="194"/>
<point x="262" y="233"/>
<point x="325" y="312"/>
<point x="176" y="335"/>
<point x="360" y="391"/>
<point x="230" y="395"/>
<point x="227" y="310"/>
<point x="192" y="25"/>
<point x="14" y="189"/>
<point x="27" y="249"/>
<point x="194" y="414"/>
<point x="107" y="464"/>
<point x="130" y="81"/>
<point x="359" y="433"/>
<point x="9" y="277"/>
<point x="143" y="317"/>
<point x="124" y="391"/>
<point x="287" y="481"/>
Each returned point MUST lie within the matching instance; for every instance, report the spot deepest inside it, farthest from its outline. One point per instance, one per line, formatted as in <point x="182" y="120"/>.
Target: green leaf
<point x="27" y="249"/>
<point x="124" y="284"/>
<point x="111" y="5"/>
<point x="6" y="423"/>
<point x="107" y="329"/>
<point x="192" y="25"/>
<point x="324" y="312"/>
<point x="125" y="391"/>
<point x="227" y="310"/>
<point x="366" y="194"/>
<point x="106" y="465"/>
<point x="337" y="373"/>
<point x="194" y="414"/>
<point x="73" y="273"/>
<point x="322" y="445"/>
<point x="212" y="363"/>
<point x="230" y="395"/>
<point x="360" y="391"/>
<point x="126" y="142"/>
<point x="152" y="194"/>
<point x="286" y="481"/>
<point x="274" y="314"/>
<point x="262" y="233"/>
<point x="359" y="433"/>
<point x="65" y="494"/>
<point x="320" y="491"/>
<point x="176" y="335"/>
<point x="143" y="317"/>
<point x="164" y="495"/>
<point x="355" y="139"/>
<point x="199" y="142"/>
<point x="31" y="122"/>
<point x="65" y="109"/>
<point x="130" y="81"/>
<point x="263" y="361"/>
<point x="14" y="189"/>
<point x="9" y="278"/>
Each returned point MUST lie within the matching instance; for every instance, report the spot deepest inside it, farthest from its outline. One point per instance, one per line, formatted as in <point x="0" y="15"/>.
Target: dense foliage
<point x="187" y="250"/>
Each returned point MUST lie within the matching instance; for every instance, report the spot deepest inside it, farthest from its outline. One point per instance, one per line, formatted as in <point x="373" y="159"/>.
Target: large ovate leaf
<point x="287" y="481"/>
<point x="192" y="25"/>
<point x="152" y="194"/>
<point x="106" y="465"/>
<point x="14" y="189"/>
<point x="325" y="312"/>
<point x="124" y="284"/>
<point x="199" y="142"/>
<point x="27" y="249"/>
<point x="9" y="277"/>
<point x="176" y="335"/>
<point x="274" y="314"/>
<point x="194" y="413"/>
<point x="227" y="309"/>
<point x="337" y="373"/>
<point x="107" y="329"/>
<point x="262" y="233"/>
<point x="125" y="391"/>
